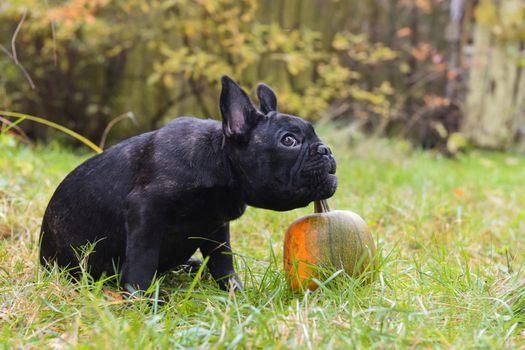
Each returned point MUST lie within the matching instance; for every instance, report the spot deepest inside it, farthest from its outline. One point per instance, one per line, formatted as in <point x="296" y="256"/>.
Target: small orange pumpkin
<point x="337" y="238"/>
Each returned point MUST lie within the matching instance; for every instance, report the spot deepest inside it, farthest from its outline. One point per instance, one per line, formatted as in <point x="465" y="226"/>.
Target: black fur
<point x="151" y="201"/>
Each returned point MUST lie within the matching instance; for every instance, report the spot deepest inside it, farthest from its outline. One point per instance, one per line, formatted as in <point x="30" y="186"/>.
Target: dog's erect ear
<point x="238" y="112"/>
<point x="267" y="98"/>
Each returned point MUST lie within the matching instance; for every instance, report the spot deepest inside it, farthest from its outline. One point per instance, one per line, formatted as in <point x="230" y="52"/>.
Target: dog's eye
<point x="289" y="140"/>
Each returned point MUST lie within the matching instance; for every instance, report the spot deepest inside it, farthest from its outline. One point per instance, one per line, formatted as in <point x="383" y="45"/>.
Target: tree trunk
<point x="495" y="104"/>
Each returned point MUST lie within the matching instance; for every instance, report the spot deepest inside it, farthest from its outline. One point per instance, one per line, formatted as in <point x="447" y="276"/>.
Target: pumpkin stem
<point x="321" y="206"/>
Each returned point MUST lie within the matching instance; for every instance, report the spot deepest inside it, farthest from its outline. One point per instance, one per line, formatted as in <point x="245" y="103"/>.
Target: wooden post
<point x="453" y="35"/>
<point x="495" y="104"/>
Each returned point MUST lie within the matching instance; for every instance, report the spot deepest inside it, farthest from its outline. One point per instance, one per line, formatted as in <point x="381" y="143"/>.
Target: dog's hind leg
<point x="145" y="228"/>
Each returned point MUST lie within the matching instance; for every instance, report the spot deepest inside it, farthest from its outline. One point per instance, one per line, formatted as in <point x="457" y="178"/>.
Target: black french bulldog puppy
<point x="151" y="201"/>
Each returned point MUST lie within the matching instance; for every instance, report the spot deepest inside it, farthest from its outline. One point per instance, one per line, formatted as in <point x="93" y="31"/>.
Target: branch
<point x="13" y="55"/>
<point x="13" y="39"/>
<point x="22" y="69"/>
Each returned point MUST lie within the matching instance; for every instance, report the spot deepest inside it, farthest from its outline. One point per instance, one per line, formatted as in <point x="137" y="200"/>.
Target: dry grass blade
<point x="59" y="127"/>
<point x="112" y="123"/>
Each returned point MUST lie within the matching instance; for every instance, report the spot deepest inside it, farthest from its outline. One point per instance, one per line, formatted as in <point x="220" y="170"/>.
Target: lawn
<point x="450" y="232"/>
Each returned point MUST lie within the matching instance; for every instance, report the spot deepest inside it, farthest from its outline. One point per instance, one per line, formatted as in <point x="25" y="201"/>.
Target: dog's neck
<point x="225" y="165"/>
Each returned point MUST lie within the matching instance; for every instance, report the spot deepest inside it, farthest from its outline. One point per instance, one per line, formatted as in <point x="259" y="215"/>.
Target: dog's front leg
<point x="143" y="241"/>
<point x="220" y="264"/>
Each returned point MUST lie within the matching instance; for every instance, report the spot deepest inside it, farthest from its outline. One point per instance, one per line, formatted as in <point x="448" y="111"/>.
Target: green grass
<point x="450" y="232"/>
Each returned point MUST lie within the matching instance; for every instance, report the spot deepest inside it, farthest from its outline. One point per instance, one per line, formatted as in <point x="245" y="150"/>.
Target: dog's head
<point x="277" y="158"/>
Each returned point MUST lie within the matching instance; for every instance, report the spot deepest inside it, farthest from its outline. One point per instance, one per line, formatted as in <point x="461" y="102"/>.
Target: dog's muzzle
<point x="326" y="153"/>
<point x="319" y="172"/>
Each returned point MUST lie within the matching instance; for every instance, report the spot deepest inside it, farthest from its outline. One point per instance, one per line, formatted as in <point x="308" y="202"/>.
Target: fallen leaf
<point x="459" y="192"/>
<point x="113" y="296"/>
<point x="5" y="231"/>
<point x="486" y="162"/>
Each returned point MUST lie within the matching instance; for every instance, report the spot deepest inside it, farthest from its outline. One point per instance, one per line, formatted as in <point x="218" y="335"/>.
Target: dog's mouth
<point x="320" y="179"/>
<point x="315" y="181"/>
<point x="328" y="187"/>
<point x="333" y="166"/>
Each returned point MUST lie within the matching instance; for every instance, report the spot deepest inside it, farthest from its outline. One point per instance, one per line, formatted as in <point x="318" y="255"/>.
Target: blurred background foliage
<point x="381" y="66"/>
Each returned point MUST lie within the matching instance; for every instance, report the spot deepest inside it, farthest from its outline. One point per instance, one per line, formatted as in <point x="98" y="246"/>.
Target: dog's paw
<point x="191" y="266"/>
<point x="231" y="283"/>
<point x="130" y="292"/>
<point x="235" y="284"/>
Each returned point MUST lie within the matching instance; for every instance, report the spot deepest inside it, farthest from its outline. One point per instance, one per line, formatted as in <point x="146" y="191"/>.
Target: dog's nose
<point x="323" y="150"/>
